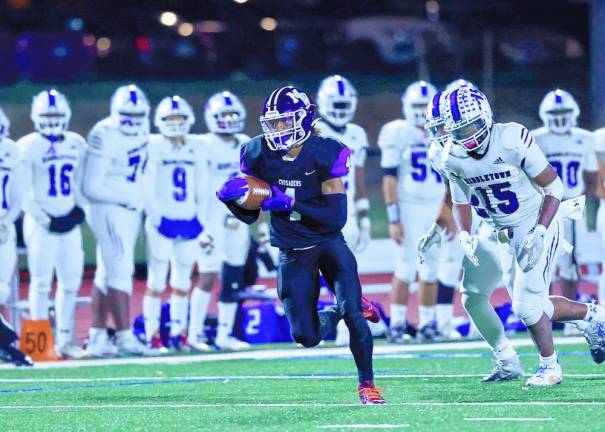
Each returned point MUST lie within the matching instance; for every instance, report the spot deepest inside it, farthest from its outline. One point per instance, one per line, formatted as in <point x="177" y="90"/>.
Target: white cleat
<point x="231" y="343"/>
<point x="72" y="351"/>
<point x="199" y="346"/>
<point x="129" y="345"/>
<point x="505" y="370"/>
<point x="546" y="376"/>
<point x="101" y="346"/>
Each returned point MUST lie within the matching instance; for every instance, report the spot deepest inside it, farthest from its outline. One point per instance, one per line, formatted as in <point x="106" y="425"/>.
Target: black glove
<point x="64" y="224"/>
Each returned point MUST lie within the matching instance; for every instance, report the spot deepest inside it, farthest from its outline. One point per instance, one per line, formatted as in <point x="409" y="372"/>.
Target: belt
<point x="505" y="235"/>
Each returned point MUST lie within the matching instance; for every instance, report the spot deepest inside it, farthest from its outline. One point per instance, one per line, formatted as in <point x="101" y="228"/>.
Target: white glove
<point x="206" y="243"/>
<point x="43" y="220"/>
<point x="469" y="245"/>
<point x="3" y="232"/>
<point x="533" y="248"/>
<point x="430" y="238"/>
<point x="154" y="219"/>
<point x="365" y="234"/>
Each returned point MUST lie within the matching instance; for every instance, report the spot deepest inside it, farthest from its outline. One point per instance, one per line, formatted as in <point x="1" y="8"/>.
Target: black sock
<point x="361" y="344"/>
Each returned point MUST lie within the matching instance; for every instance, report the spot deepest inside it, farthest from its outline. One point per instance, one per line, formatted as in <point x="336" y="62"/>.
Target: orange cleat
<point x="370" y="312"/>
<point x="369" y="394"/>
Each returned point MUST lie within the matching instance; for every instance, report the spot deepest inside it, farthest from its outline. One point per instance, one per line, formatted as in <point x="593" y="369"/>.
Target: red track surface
<point x="83" y="314"/>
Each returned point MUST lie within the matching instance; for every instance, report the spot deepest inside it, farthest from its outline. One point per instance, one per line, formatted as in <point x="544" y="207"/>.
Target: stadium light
<point x="268" y="24"/>
<point x="103" y="46"/>
<point x="89" y="40"/>
<point x="168" y="18"/>
<point x="240" y="1"/>
<point x="185" y="29"/>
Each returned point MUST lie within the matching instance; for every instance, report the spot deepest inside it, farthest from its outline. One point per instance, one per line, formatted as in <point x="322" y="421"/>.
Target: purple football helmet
<point x="288" y="118"/>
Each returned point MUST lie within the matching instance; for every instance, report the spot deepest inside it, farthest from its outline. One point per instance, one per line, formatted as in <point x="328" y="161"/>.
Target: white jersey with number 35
<point x="405" y="147"/>
<point x="570" y="154"/>
<point x="499" y="184"/>
<point x="356" y="139"/>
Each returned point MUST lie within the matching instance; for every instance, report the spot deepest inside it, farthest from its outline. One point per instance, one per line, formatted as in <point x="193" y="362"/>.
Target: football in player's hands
<point x="258" y="191"/>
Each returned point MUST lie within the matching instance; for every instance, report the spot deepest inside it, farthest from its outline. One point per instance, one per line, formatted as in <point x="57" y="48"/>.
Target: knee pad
<point x="180" y="276"/>
<point x="5" y="291"/>
<point x="568" y="271"/>
<point x="405" y="272"/>
<point x="156" y="277"/>
<point x="445" y="293"/>
<point x="232" y="281"/>
<point x="449" y="274"/>
<point x="122" y="284"/>
<point x="428" y="272"/>
<point x="527" y="312"/>
<point x="472" y="300"/>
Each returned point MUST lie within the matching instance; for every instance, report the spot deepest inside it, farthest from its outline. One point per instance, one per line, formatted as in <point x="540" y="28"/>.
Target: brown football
<point x="258" y="191"/>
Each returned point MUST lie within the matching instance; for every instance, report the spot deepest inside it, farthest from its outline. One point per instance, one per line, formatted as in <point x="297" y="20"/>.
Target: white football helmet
<point x="415" y="99"/>
<point x="468" y="118"/>
<point x="337" y="100"/>
<point x="224" y="113"/>
<point x="174" y="117"/>
<point x="50" y="113"/>
<point x="4" y="125"/>
<point x="435" y="118"/>
<point x="457" y="83"/>
<point x="559" y="111"/>
<point x="130" y="109"/>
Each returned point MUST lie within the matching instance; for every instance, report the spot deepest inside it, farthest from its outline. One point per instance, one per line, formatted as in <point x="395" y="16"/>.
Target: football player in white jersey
<point x="225" y="118"/>
<point x="51" y="158"/>
<point x="174" y="183"/>
<point x="509" y="178"/>
<point x="570" y="151"/>
<point x="337" y="103"/>
<point x="477" y="285"/>
<point x="413" y="192"/>
<point x="599" y="139"/>
<point x="11" y="196"/>
<point x="116" y="155"/>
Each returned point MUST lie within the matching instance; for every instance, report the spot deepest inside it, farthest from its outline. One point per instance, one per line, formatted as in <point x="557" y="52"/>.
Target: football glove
<point x="365" y="234"/>
<point x="429" y="239"/>
<point x="278" y="201"/>
<point x="469" y="245"/>
<point x="533" y="248"/>
<point x="232" y="189"/>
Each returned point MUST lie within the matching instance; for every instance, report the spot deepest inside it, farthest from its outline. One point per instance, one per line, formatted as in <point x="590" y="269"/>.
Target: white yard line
<point x="364" y="426"/>
<point x="296" y="405"/>
<point x="284" y="354"/>
<point x="509" y="419"/>
<point x="226" y="379"/>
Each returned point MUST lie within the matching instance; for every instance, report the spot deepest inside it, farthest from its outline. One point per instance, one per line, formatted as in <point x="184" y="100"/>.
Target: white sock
<point x="226" y="319"/>
<point x="426" y="315"/>
<point x="152" y="311"/>
<point x="594" y="312"/>
<point x="398" y="314"/>
<point x="579" y="324"/>
<point x="178" y="314"/>
<point x="198" y="310"/>
<point x="550" y="360"/>
<point x="504" y="351"/>
<point x="444" y="313"/>
<point x="94" y="333"/>
<point x="65" y="306"/>
<point x="38" y="304"/>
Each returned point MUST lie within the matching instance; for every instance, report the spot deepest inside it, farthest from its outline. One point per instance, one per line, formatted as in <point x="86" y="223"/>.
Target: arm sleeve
<point x="15" y="195"/>
<point x="30" y="205"/>
<point x="246" y="216"/>
<point x="94" y="187"/>
<point x="328" y="212"/>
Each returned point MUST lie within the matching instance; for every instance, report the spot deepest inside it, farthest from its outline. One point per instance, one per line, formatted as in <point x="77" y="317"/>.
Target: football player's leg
<point x="159" y="251"/>
<point x="601" y="230"/>
<point x="8" y="258"/>
<point x="298" y="289"/>
<point x="448" y="278"/>
<point x="181" y="265"/>
<point x="41" y="253"/>
<point x="340" y="268"/>
<point x="237" y="244"/>
<point x="69" y="278"/>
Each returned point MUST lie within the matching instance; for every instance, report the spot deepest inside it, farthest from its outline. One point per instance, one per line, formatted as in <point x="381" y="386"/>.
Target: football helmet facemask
<point x="174" y="117"/>
<point x="130" y="108"/>
<point x="468" y="118"/>
<point x="225" y="114"/>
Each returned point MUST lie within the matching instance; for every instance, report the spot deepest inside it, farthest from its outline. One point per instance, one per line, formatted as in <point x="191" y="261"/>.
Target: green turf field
<point x="431" y="391"/>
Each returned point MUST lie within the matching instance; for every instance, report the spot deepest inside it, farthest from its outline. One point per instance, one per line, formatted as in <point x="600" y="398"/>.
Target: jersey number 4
<point x="64" y="180"/>
<point x="422" y="167"/>
<point x="507" y="200"/>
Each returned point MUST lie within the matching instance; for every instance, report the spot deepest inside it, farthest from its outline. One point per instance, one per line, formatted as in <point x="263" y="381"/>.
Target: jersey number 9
<point x="179" y="179"/>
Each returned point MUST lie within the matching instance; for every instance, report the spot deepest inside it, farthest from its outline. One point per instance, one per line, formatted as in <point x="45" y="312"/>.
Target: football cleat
<point x="595" y="336"/>
<point x="399" y="333"/>
<point x="370" y="312"/>
<point x="230" y="343"/>
<point x="505" y="370"/>
<point x="428" y="333"/>
<point x="546" y="376"/>
<point x="199" y="346"/>
<point x="155" y="343"/>
<point x="72" y="351"/>
<point x="180" y="343"/>
<point x="129" y="345"/>
<point x="10" y="354"/>
<point x="101" y="346"/>
<point x="342" y="334"/>
<point x="369" y="394"/>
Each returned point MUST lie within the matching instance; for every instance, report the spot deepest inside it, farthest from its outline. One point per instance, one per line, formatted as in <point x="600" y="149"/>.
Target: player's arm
<point x="78" y="175"/>
<point x="389" y="162"/>
<point x="30" y="206"/>
<point x="463" y="214"/>
<point x="15" y="196"/>
<point x="150" y="202"/>
<point x="329" y="210"/>
<point x="591" y="170"/>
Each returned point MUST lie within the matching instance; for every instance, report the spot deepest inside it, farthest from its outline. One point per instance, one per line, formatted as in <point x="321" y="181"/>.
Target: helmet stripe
<point x="424" y="90"/>
<point x="133" y="96"/>
<point x="558" y="97"/>
<point x="228" y="100"/>
<point x="341" y="86"/>
<point x="175" y="102"/>
<point x="435" y="109"/>
<point x="52" y="101"/>
<point x="454" y="106"/>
